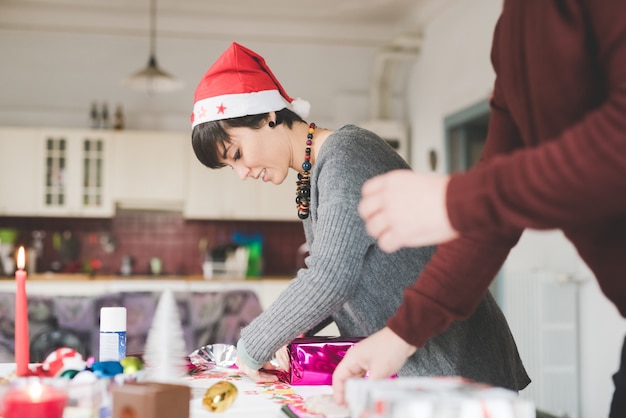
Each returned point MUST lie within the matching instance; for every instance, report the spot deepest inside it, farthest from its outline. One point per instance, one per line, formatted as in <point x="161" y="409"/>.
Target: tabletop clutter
<point x="164" y="381"/>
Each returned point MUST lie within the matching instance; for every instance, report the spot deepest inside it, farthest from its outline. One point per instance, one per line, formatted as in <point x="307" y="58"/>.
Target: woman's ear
<point x="272" y="119"/>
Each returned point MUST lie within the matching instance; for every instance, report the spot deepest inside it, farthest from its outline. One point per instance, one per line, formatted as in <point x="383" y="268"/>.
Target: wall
<point x="453" y="70"/>
<point x="144" y="235"/>
<point x="602" y="328"/>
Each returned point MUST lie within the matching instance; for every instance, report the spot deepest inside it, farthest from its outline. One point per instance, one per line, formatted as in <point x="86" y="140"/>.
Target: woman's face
<point x="263" y="153"/>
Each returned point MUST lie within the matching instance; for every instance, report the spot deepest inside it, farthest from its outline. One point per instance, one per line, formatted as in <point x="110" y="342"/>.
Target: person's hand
<point x="280" y="360"/>
<point x="381" y="354"/>
<point x="403" y="208"/>
<point x="256" y="375"/>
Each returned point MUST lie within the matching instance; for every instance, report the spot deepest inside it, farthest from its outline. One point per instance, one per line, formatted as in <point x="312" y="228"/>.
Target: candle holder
<point x="34" y="397"/>
<point x="4" y="388"/>
<point x="51" y="397"/>
<point x="88" y="399"/>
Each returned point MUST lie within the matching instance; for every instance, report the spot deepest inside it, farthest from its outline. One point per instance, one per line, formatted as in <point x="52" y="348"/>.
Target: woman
<point x="243" y="119"/>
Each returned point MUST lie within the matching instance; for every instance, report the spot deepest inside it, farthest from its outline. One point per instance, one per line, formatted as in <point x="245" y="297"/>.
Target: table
<point x="255" y="399"/>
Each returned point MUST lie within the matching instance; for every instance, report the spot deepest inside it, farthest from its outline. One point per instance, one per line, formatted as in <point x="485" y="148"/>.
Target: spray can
<point x="112" y="333"/>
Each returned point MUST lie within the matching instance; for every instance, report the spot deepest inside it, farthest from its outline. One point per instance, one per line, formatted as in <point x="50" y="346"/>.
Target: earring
<point x="272" y="124"/>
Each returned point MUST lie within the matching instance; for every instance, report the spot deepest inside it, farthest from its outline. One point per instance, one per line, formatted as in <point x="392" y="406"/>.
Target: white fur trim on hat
<point x="301" y="107"/>
<point x="229" y="106"/>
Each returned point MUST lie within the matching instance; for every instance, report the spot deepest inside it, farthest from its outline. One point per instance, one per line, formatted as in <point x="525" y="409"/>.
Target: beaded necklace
<point x="303" y="185"/>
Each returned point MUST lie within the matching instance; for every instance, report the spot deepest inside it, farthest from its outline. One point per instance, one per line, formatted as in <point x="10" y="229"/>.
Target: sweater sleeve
<point x="573" y="178"/>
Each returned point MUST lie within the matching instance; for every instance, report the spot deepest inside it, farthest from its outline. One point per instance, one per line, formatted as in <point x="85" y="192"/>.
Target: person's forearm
<point x="543" y="187"/>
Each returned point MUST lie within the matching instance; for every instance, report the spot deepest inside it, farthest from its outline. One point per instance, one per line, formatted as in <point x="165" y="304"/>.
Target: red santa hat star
<point x="238" y="84"/>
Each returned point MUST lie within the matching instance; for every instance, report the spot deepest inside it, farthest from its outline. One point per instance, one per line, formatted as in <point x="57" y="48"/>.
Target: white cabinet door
<point x="19" y="168"/>
<point x="54" y="172"/>
<point x="201" y="201"/>
<point x="221" y="194"/>
<point x="278" y="202"/>
<point x="149" y="169"/>
<point x="208" y="191"/>
<point x="73" y="177"/>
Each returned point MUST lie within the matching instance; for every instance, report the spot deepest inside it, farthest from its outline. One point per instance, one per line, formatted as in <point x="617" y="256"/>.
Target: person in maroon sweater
<point x="555" y="158"/>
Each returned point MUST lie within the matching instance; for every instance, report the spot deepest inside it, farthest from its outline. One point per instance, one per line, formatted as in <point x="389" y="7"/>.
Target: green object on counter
<point x="254" y="244"/>
<point x="8" y="235"/>
<point x="255" y="259"/>
<point x="131" y="364"/>
<point x="56" y="241"/>
<point x="69" y="374"/>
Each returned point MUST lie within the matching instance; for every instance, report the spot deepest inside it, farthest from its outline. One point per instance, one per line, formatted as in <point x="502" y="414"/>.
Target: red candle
<point x="34" y="400"/>
<point x="22" y="349"/>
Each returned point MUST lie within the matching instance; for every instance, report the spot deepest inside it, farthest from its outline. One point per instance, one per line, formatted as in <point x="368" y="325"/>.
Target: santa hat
<point x="238" y="84"/>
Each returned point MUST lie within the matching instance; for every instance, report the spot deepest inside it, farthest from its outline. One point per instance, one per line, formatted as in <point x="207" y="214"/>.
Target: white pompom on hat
<point x="240" y="83"/>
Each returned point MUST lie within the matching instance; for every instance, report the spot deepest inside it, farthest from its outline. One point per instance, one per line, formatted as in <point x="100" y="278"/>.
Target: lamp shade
<point x="152" y="79"/>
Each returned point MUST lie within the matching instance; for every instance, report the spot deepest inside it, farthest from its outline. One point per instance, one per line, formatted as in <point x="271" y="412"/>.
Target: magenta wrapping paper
<point x="314" y="359"/>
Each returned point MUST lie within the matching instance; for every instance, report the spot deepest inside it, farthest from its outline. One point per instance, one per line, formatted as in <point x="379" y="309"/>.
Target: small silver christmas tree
<point x="165" y="355"/>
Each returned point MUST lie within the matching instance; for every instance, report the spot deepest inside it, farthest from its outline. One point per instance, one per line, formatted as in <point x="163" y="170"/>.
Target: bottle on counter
<point x="118" y="118"/>
<point x="94" y="116"/>
<point x="126" y="268"/>
<point x="112" y="333"/>
<point x="105" y="123"/>
<point x="207" y="266"/>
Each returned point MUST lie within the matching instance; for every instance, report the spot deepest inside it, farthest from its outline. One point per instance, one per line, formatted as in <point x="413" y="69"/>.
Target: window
<point x="56" y="159"/>
<point x="466" y="132"/>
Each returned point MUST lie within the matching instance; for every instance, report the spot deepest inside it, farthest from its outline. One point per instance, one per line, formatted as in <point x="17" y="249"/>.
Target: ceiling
<point x="354" y="21"/>
<point x="364" y="11"/>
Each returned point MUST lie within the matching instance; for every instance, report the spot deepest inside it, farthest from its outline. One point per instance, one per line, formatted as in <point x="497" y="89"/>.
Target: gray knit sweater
<point x="349" y="278"/>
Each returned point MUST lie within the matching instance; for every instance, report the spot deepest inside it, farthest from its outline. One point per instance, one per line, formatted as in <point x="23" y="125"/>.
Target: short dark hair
<point x="208" y="138"/>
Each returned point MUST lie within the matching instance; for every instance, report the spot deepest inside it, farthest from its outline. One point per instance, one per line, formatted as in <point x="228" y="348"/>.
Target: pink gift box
<point x="313" y="360"/>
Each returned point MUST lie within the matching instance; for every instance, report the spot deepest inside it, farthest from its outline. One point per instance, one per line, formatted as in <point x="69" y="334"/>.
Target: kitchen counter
<point x="267" y="288"/>
<point x="102" y="277"/>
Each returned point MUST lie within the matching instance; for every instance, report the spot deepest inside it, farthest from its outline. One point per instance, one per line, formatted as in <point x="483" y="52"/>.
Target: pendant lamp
<point x="152" y="79"/>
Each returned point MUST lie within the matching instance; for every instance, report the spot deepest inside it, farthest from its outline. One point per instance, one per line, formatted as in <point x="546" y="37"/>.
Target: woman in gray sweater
<point x="244" y="119"/>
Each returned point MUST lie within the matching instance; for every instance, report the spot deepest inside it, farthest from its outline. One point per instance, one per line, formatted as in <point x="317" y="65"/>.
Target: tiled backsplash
<point x="147" y="234"/>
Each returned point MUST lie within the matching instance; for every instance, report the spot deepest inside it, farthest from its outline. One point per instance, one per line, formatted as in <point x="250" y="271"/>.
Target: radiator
<point x="542" y="310"/>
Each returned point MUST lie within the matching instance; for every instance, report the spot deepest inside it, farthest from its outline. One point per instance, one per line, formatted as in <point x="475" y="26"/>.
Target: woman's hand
<point x="280" y="362"/>
<point x="256" y="375"/>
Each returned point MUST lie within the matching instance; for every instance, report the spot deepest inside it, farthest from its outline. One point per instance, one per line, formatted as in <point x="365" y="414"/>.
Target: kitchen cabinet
<point x="91" y="173"/>
<point x="18" y="172"/>
<point x="149" y="169"/>
<point x="278" y="202"/>
<point x="61" y="172"/>
<point x="75" y="173"/>
<point x="221" y="194"/>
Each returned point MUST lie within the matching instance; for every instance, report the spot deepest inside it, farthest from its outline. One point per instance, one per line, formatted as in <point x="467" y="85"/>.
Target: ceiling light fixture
<point x="152" y="79"/>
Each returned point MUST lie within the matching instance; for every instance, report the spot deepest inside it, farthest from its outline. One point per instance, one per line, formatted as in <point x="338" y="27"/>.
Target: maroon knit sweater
<point x="555" y="157"/>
